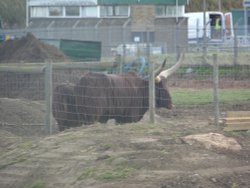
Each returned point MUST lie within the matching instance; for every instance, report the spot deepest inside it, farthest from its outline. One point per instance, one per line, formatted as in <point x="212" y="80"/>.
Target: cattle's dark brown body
<point x="64" y="106"/>
<point x="98" y="97"/>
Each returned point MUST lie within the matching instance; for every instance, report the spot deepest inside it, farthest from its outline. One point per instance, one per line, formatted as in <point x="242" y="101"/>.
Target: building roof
<point x="61" y="2"/>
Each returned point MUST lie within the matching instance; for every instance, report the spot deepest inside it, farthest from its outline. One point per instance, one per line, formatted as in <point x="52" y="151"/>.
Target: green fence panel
<point x="54" y="42"/>
<point x="81" y="50"/>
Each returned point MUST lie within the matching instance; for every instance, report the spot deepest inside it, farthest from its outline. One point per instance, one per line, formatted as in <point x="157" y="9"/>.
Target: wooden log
<point x="236" y="119"/>
<point x="22" y="69"/>
<point x="237" y="126"/>
<point x="238" y="114"/>
<point x="39" y="67"/>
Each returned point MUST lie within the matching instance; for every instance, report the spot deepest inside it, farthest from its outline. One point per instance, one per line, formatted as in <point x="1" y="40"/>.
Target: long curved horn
<point x="160" y="68"/>
<point x="171" y="70"/>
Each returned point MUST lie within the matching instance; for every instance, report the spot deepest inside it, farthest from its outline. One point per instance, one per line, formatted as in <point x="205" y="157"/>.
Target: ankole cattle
<point x="98" y="97"/>
<point x="64" y="106"/>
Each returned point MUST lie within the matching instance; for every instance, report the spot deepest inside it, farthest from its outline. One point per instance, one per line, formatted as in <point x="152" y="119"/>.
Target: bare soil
<point x="110" y="155"/>
<point x="29" y="49"/>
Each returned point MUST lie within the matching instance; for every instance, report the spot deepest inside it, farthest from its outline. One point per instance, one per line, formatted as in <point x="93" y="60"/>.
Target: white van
<point x="215" y="26"/>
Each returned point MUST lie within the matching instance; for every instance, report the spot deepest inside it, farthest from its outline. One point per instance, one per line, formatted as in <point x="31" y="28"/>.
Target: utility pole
<point x="204" y="33"/>
<point x="219" y="5"/>
<point x="177" y="13"/>
<point x="246" y="5"/>
<point x="27" y="13"/>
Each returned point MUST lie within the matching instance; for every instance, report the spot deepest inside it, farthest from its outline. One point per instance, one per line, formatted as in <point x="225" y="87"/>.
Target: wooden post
<point x="48" y="96"/>
<point x="151" y="84"/>
<point x="216" y="88"/>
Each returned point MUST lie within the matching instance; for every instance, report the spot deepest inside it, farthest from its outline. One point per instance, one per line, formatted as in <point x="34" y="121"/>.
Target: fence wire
<point x="191" y="87"/>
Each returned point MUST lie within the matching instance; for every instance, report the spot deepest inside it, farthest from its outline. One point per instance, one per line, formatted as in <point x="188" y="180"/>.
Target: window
<point x="121" y="10"/>
<point x="72" y="11"/>
<point x="89" y="11"/>
<point x="55" y="11"/>
<point x="142" y="37"/>
<point x="169" y="11"/>
<point x="160" y="11"/>
<point x="38" y="12"/>
<point x="109" y="11"/>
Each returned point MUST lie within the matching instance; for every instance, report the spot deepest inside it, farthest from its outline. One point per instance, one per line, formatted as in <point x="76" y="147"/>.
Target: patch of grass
<point x="164" y="152"/>
<point x="88" y="173"/>
<point x="200" y="71"/>
<point x="234" y="185"/>
<point x="106" y="174"/>
<point x="104" y="147"/>
<point x="16" y="153"/>
<point x="205" y="96"/>
<point x="138" y="127"/>
<point x="191" y="96"/>
<point x="38" y="184"/>
<point x="118" y="173"/>
<point x="16" y="160"/>
<point x="234" y="95"/>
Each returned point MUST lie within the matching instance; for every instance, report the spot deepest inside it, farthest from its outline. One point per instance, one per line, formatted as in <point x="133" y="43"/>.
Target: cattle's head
<point x="163" y="98"/>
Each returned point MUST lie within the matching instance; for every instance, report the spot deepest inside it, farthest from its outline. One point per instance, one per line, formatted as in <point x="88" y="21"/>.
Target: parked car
<point x="135" y="49"/>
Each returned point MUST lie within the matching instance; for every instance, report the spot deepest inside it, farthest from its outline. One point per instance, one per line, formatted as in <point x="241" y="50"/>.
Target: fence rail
<point x="193" y="86"/>
<point x="163" y="39"/>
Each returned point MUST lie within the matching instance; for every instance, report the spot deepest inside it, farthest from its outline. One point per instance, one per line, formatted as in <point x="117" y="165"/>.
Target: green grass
<point x="117" y="173"/>
<point x="234" y="95"/>
<point x="38" y="184"/>
<point x="18" y="159"/>
<point x="106" y="174"/>
<point x="205" y="96"/>
<point x="191" y="96"/>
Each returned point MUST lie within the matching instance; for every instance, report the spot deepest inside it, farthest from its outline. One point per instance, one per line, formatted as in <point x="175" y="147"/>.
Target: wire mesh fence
<point x="90" y="92"/>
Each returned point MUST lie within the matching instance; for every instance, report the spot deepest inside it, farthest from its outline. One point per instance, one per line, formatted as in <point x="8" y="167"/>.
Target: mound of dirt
<point x="22" y="117"/>
<point x="110" y="156"/>
<point x="214" y="140"/>
<point x="29" y="49"/>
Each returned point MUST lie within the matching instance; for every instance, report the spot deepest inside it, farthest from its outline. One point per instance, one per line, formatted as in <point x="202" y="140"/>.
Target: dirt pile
<point x="21" y="117"/>
<point x="29" y="49"/>
<point x="213" y="140"/>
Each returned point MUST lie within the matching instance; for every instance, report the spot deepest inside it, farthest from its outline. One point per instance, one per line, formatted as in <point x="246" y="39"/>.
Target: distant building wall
<point x="113" y="24"/>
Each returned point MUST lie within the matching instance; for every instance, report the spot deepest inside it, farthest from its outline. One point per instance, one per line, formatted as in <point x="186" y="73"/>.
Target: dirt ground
<point x="117" y="156"/>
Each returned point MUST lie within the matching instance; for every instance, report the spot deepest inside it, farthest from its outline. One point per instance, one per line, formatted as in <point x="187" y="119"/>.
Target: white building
<point x="111" y="22"/>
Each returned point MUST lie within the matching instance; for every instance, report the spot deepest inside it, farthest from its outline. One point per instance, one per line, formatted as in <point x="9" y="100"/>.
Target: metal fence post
<point x="151" y="84"/>
<point x="235" y="59"/>
<point x="204" y="32"/>
<point x="123" y="60"/>
<point x="48" y="96"/>
<point x="215" y="90"/>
